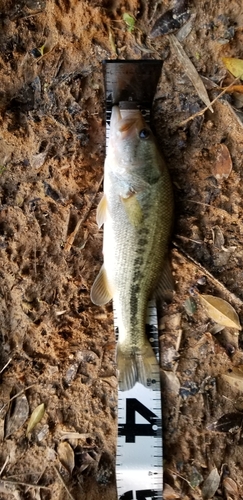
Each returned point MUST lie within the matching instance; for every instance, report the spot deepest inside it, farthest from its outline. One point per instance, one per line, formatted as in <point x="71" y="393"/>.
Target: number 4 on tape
<point x="130" y="429"/>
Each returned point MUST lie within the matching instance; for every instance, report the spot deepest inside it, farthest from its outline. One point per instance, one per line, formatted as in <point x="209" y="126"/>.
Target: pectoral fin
<point x="136" y="183"/>
<point x="128" y="184"/>
<point x="101" y="292"/>
<point x="133" y="210"/>
<point x="101" y="211"/>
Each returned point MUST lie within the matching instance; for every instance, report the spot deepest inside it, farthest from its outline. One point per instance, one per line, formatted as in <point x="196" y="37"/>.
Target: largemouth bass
<point x="137" y="213"/>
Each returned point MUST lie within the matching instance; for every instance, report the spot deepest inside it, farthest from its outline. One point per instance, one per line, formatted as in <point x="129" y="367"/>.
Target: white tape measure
<point x="139" y="468"/>
<point x="139" y="472"/>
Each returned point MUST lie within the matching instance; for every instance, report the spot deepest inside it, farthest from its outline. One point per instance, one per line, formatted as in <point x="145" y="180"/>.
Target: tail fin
<point x="141" y="366"/>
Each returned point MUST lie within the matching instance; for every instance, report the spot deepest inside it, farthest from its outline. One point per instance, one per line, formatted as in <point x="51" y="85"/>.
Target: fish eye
<point x="144" y="133"/>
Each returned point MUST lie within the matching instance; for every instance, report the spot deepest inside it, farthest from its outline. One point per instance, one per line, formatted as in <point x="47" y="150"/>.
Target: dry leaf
<point x="66" y="456"/>
<point x="169" y="493"/>
<point x="210" y="484"/>
<point x="238" y="98"/>
<point x="190" y="71"/>
<point x="111" y="40"/>
<point x="234" y="88"/>
<point x="227" y="423"/>
<point x="223" y="163"/>
<point x="35" y="417"/>
<point x="17" y="415"/>
<point x="220" y="311"/>
<point x="85" y="461"/>
<point x="171" y="381"/>
<point x="234" y="378"/>
<point x="234" y="66"/>
<point x="185" y="30"/>
<point x="171" y="20"/>
<point x="230" y="488"/>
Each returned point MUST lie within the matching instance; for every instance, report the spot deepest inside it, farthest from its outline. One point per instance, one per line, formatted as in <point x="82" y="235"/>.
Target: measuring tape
<point x="139" y="471"/>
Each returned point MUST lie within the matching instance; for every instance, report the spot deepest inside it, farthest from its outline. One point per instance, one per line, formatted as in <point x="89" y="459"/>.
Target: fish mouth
<point x="127" y="122"/>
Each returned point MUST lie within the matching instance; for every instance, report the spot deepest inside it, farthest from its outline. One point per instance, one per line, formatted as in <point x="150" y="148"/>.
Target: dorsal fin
<point x="165" y="283"/>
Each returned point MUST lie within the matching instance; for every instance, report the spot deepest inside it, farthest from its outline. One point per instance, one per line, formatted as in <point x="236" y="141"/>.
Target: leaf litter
<point x="222" y="165"/>
<point x="210" y="484"/>
<point x="190" y="71"/>
<point x="220" y="311"/>
<point x="172" y="20"/>
<point x="16" y="415"/>
<point x="230" y="488"/>
<point x="66" y="456"/>
<point x="230" y="422"/>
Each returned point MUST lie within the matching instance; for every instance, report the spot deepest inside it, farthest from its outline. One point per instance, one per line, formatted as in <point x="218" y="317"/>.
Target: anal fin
<point x="101" y="213"/>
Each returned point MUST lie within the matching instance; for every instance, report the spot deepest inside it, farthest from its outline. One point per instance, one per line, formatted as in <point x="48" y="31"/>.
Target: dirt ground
<point x="56" y="347"/>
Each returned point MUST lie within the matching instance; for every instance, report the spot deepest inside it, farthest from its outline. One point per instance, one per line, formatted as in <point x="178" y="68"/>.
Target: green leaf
<point x="220" y="311"/>
<point x="42" y="50"/>
<point x="234" y="66"/>
<point x="129" y="20"/>
<point x="2" y="168"/>
<point x="35" y="417"/>
<point x="190" y="306"/>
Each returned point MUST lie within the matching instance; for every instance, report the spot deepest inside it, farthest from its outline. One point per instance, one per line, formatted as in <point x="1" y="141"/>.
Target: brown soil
<point x="60" y="347"/>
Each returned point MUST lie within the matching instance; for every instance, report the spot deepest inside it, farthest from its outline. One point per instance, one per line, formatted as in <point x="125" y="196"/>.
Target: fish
<point x="137" y="212"/>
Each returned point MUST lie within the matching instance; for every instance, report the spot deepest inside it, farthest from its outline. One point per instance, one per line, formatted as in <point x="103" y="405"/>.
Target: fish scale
<point x="139" y="472"/>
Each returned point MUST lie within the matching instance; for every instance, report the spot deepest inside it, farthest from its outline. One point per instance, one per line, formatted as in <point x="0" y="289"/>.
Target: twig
<point x="63" y="483"/>
<point x="32" y="15"/>
<point x="21" y="483"/>
<point x="16" y="396"/>
<point x="188" y="239"/>
<point x="200" y="203"/>
<point x="4" y="465"/>
<point x="39" y="478"/>
<point x="74" y="435"/>
<point x="230" y="296"/>
<point x="177" y="412"/>
<point x="199" y="113"/>
<point x="71" y="238"/>
<point x="184" y="479"/>
<point x="5" y="366"/>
